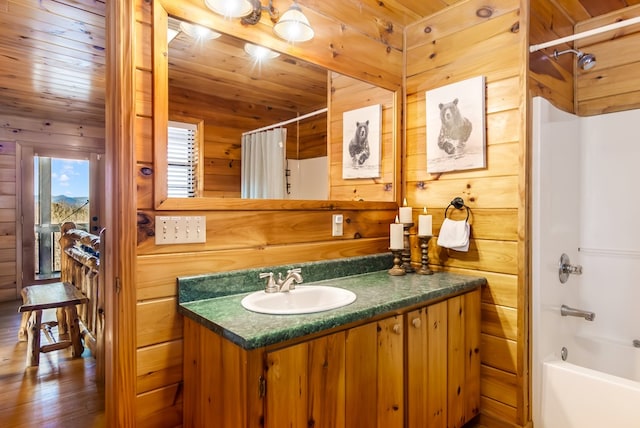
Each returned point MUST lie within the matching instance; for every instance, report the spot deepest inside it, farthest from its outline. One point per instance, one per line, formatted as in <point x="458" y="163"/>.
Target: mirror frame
<point x="160" y="122"/>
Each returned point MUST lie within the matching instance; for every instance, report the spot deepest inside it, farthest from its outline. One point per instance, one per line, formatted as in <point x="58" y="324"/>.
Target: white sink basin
<point x="303" y="299"/>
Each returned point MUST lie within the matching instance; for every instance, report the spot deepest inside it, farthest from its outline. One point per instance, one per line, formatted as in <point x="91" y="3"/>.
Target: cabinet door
<point x="327" y="382"/>
<point x="353" y="378"/>
<point x="361" y="363"/>
<point x="305" y="384"/>
<point x="463" y="358"/>
<point x="375" y="374"/>
<point x="427" y="367"/>
<point x="287" y="387"/>
<point x="390" y="372"/>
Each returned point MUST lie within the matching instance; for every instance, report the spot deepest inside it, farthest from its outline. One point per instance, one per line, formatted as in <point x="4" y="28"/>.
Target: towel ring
<point x="458" y="203"/>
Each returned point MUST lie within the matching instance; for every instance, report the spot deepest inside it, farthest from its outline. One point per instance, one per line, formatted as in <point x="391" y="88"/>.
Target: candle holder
<point x="396" y="270"/>
<point x="406" y="252"/>
<point x="424" y="245"/>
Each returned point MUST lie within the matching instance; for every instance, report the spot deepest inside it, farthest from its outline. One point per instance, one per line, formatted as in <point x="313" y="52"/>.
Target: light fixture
<point x="230" y="8"/>
<point x="259" y="53"/>
<point x="293" y="26"/>
<point x="585" y="61"/>
<point x="198" y="32"/>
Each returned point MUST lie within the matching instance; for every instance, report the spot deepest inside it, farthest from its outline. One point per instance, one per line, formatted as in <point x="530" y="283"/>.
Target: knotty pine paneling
<point x="159" y="365"/>
<point x="161" y="407"/>
<point x="549" y="78"/>
<point x="157" y="272"/>
<point x="613" y="84"/>
<point x="458" y="45"/>
<point x="8" y="278"/>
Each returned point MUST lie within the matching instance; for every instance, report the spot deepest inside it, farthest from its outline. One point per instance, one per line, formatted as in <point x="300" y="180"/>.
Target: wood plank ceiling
<point x="52" y="52"/>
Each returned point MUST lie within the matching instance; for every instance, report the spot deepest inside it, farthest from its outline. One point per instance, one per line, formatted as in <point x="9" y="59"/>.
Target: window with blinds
<point x="182" y="160"/>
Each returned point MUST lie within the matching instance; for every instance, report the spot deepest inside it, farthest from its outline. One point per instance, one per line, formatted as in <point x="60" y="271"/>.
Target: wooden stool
<point x="62" y="296"/>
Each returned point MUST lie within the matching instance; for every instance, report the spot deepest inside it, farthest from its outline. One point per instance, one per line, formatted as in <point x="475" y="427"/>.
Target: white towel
<point x="455" y="235"/>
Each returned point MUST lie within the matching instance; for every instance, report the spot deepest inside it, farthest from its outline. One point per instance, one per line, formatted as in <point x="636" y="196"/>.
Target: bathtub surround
<point x="581" y="207"/>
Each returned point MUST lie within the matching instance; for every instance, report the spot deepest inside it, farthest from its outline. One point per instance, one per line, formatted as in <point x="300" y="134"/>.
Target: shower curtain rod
<point x="286" y="122"/>
<point x="604" y="28"/>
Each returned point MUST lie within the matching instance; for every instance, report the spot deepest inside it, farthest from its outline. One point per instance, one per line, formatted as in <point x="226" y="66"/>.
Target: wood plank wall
<point x="614" y="83"/>
<point x="448" y="47"/>
<point x="16" y="132"/>
<point x="8" y="253"/>
<point x="549" y="78"/>
<point x="236" y="239"/>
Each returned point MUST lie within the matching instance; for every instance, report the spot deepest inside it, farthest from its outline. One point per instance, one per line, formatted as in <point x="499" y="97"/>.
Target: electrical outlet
<point x="181" y="229"/>
<point x="337" y="225"/>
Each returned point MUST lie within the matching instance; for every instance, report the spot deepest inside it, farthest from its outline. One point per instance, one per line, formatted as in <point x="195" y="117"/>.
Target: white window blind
<point x="182" y="158"/>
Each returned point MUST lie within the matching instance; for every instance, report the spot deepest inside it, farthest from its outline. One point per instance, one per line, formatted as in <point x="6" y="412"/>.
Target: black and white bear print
<point x="455" y="129"/>
<point x="359" y="145"/>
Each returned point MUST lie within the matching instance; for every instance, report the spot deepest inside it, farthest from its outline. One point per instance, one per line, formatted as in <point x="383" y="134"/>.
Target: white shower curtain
<point x="263" y="164"/>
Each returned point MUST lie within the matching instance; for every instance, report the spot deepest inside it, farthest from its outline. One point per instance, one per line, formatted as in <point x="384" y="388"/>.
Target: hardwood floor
<point x="60" y="392"/>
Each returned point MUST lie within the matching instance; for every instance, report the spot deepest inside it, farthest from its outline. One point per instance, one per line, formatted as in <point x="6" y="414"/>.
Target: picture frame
<point x="455" y="126"/>
<point x="361" y="142"/>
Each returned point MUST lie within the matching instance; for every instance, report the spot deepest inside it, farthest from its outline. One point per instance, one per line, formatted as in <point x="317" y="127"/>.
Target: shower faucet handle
<point x="565" y="268"/>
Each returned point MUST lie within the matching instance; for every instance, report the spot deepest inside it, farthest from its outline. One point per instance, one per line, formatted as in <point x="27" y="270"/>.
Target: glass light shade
<point x="230" y="8"/>
<point x="259" y="53"/>
<point x="198" y="32"/>
<point x="293" y="26"/>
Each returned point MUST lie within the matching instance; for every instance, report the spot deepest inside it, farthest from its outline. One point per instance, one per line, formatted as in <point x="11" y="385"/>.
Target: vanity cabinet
<point x="412" y="369"/>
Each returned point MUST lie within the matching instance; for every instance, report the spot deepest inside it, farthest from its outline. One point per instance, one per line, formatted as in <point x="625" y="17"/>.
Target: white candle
<point x="397" y="236"/>
<point x="425" y="222"/>
<point x="406" y="215"/>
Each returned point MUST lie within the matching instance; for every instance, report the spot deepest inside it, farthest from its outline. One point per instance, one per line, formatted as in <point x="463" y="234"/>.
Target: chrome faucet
<point x="270" y="286"/>
<point x="287" y="284"/>
<point x="282" y="285"/>
<point x="571" y="312"/>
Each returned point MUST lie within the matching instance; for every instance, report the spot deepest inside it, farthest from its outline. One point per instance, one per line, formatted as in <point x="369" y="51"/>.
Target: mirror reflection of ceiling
<point x="220" y="72"/>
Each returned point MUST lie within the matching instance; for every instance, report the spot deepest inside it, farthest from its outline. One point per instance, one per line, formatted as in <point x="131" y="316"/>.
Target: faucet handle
<point x="294" y="270"/>
<point x="270" y="286"/>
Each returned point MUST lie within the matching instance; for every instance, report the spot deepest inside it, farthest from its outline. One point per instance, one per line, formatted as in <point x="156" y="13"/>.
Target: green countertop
<point x="377" y="293"/>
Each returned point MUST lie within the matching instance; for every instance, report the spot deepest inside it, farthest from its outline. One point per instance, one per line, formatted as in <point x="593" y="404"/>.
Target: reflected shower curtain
<point x="263" y="164"/>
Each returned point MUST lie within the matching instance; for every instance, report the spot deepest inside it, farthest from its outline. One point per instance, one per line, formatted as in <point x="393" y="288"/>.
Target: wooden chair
<point x="61" y="296"/>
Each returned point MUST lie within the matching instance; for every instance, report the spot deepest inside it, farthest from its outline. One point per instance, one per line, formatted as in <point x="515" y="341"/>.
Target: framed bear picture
<point x="361" y="142"/>
<point x="456" y="137"/>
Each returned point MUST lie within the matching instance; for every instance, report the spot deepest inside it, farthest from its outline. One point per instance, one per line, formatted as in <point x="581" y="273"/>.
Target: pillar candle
<point x="425" y="222"/>
<point x="406" y="215"/>
<point x="397" y="236"/>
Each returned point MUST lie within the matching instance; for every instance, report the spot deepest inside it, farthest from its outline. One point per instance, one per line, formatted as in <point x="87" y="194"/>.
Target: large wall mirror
<point x="236" y="96"/>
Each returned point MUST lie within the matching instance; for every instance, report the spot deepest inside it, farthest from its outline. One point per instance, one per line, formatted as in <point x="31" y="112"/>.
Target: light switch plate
<point x="181" y="229"/>
<point x="337" y="225"/>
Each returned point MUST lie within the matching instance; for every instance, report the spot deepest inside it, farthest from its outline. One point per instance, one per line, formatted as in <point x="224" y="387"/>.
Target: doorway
<point x="57" y="186"/>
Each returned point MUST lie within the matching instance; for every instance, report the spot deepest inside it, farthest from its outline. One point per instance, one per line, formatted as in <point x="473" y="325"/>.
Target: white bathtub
<point x="573" y="212"/>
<point x="579" y="396"/>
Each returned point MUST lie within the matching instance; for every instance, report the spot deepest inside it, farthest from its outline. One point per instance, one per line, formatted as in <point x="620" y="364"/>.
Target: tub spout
<point x="566" y="311"/>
